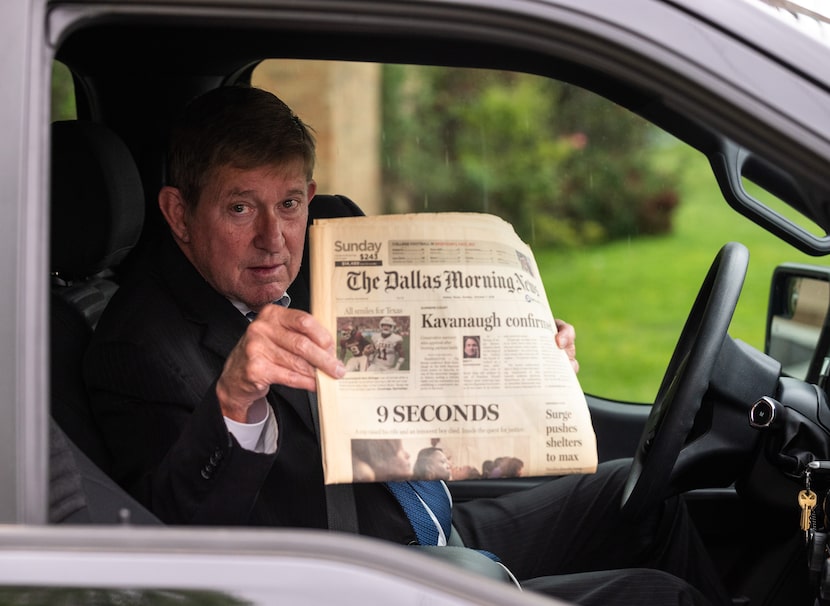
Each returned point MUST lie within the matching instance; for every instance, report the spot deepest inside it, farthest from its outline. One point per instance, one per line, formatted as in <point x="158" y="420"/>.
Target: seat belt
<point x="340" y="504"/>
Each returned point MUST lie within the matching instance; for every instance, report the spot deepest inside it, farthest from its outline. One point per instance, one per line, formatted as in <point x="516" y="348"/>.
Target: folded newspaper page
<point x="447" y="336"/>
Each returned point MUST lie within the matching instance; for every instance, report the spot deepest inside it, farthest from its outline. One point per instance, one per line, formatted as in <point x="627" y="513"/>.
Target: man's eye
<point x="238" y="208"/>
<point x="289" y="204"/>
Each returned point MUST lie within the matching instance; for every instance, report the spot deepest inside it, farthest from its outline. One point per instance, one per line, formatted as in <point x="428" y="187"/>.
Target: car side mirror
<point x="798" y="334"/>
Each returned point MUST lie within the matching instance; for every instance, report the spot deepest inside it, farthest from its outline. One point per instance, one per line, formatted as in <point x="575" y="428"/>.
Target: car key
<point x="807" y="501"/>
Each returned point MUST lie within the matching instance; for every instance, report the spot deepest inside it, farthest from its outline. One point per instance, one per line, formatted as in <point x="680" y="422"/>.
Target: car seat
<point x="97" y="207"/>
<point x="323" y="206"/>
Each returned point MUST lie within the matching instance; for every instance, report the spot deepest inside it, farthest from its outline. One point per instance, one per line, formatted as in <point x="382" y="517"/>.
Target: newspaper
<point x="447" y="336"/>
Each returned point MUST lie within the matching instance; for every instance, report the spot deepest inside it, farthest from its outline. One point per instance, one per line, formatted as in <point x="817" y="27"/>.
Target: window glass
<point x="63" y="93"/>
<point x="624" y="219"/>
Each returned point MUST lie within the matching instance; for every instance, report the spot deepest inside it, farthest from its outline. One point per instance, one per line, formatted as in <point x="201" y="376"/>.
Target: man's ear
<point x="174" y="209"/>
<point x="312" y="189"/>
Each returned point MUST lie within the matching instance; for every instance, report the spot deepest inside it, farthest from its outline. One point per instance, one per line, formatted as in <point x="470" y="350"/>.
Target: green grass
<point x="628" y="300"/>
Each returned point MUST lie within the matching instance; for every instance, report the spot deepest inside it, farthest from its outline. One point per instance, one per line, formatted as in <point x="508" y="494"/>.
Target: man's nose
<point x="269" y="234"/>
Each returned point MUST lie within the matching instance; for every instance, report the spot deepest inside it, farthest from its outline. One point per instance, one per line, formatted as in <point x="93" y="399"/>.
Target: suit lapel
<point x="222" y="324"/>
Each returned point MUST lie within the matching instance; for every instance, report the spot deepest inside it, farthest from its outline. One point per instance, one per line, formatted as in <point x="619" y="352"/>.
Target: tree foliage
<point x="63" y="93"/>
<point x="565" y="166"/>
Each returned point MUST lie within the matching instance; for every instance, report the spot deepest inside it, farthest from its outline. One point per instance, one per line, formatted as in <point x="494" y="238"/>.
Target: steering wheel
<point x="685" y="382"/>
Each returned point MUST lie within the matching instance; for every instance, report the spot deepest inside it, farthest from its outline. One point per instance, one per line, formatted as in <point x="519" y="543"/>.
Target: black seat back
<point x="97" y="205"/>
<point x="97" y="208"/>
<point x="323" y="206"/>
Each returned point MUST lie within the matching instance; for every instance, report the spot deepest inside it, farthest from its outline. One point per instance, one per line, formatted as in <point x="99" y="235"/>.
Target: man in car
<point x="200" y="370"/>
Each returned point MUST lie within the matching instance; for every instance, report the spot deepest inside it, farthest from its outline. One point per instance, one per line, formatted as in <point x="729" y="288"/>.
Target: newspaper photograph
<point x="447" y="336"/>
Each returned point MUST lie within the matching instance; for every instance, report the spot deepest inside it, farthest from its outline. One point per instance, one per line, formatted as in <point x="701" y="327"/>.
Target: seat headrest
<point x="97" y="200"/>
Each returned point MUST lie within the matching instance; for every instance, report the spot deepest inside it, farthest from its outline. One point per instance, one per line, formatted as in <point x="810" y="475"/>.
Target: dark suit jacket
<point x="151" y="370"/>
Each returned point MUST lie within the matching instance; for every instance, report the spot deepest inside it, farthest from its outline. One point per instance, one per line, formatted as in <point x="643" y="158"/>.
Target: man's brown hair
<point x="239" y="126"/>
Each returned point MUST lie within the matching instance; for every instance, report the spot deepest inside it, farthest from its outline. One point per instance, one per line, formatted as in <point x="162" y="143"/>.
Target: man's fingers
<point x="280" y="347"/>
<point x="296" y="322"/>
<point x="566" y="339"/>
<point x="295" y="342"/>
<point x="565" y="335"/>
<point x="293" y="363"/>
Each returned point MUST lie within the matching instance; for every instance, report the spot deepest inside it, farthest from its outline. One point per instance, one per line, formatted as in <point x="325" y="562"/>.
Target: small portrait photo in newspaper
<point x="471" y="346"/>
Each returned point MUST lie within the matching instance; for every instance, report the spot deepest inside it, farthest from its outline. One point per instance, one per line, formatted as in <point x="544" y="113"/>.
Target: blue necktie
<point x="283" y="301"/>
<point x="435" y="497"/>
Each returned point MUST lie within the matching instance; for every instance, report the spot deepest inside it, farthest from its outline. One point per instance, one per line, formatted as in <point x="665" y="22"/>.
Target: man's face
<point x="386" y="329"/>
<point x="471" y="348"/>
<point x="246" y="234"/>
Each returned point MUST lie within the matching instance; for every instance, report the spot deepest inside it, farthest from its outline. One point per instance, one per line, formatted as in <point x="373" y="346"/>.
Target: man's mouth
<point x="267" y="270"/>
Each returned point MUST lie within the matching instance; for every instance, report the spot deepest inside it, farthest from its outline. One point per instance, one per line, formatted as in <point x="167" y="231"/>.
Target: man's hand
<point x="566" y="339"/>
<point x="281" y="346"/>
